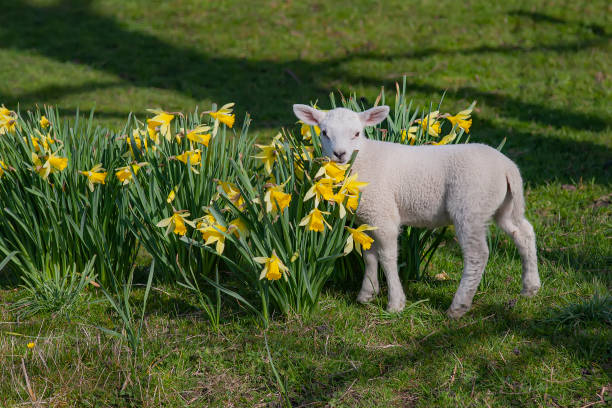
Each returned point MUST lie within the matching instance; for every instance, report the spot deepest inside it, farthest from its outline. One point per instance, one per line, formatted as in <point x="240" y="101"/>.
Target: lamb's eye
<point x="356" y="135"/>
<point x="324" y="133"/>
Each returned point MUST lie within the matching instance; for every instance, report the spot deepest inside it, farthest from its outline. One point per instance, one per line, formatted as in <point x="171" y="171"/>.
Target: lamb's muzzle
<point x="466" y="185"/>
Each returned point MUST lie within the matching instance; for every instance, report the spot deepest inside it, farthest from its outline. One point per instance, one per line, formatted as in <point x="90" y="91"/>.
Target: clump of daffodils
<point x="430" y="127"/>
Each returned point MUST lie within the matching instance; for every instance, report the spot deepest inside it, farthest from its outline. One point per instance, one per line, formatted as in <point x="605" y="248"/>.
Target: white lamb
<point x="428" y="186"/>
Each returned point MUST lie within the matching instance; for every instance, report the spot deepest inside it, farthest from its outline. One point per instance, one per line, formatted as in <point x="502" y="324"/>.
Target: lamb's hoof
<point x="530" y="292"/>
<point x="457" y="313"/>
<point x="396" y="307"/>
<point x="364" y="297"/>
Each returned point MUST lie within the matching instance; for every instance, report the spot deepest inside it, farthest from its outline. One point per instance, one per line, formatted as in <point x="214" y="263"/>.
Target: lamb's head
<point x="341" y="129"/>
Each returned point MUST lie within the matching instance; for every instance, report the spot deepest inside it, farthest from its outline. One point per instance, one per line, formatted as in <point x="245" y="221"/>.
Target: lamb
<point x="428" y="186"/>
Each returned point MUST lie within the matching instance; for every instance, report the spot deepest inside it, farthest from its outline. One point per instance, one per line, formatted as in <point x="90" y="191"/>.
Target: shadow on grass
<point x="509" y="375"/>
<point x="70" y="31"/>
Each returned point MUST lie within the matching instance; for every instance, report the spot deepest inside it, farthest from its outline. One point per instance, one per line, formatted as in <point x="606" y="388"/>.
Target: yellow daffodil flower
<point x="3" y="168"/>
<point x="410" y="134"/>
<point x="306" y="132"/>
<point x="192" y="156"/>
<point x="212" y="232"/>
<point x="352" y="186"/>
<point x="269" y="152"/>
<point x="321" y="189"/>
<point x="199" y="135"/>
<point x="176" y="223"/>
<point x="124" y="175"/>
<point x="267" y="156"/>
<point x="8" y="120"/>
<point x="160" y="123"/>
<point x="430" y="124"/>
<point x="274" y="268"/>
<point x="138" y="136"/>
<point x="232" y="192"/>
<point x="44" y="122"/>
<point x="446" y="139"/>
<point x="52" y="164"/>
<point x="332" y="170"/>
<point x="276" y="199"/>
<point x="239" y="228"/>
<point x="358" y="239"/>
<point x="96" y="175"/>
<point x="223" y="115"/>
<point x="172" y="195"/>
<point x="462" y="119"/>
<point x="315" y="221"/>
<point x="41" y="140"/>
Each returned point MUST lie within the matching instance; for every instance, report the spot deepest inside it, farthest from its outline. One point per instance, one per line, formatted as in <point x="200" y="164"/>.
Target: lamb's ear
<point x="308" y="115"/>
<point x="374" y="116"/>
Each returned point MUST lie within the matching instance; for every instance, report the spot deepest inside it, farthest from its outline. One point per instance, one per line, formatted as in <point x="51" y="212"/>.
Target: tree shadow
<point x="538" y="17"/>
<point x="71" y="31"/>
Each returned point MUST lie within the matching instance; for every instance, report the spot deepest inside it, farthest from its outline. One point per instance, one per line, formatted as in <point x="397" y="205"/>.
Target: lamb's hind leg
<point x="523" y="236"/>
<point x="369" y="287"/>
<point x="472" y="239"/>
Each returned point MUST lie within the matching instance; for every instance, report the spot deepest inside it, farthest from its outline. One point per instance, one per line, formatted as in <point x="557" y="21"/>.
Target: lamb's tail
<point x="515" y="191"/>
<point x="512" y="210"/>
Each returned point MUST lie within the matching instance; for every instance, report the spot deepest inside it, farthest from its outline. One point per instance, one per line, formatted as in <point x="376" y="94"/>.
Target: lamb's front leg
<point x="369" y="287"/>
<point x="386" y="239"/>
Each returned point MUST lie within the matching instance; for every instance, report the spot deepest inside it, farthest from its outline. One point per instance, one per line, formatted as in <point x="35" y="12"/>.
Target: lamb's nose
<point x="340" y="155"/>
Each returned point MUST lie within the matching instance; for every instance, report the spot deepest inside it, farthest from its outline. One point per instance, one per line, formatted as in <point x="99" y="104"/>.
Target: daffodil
<point x="409" y="134"/>
<point x="96" y="175"/>
<point x="321" y="189"/>
<point x="172" y="195"/>
<point x="139" y="136"/>
<point x="41" y="141"/>
<point x="352" y="186"/>
<point x="462" y="119"/>
<point x="349" y="191"/>
<point x="223" y="115"/>
<point x="239" y="228"/>
<point x="446" y="139"/>
<point x="332" y="170"/>
<point x="199" y="135"/>
<point x="276" y="199"/>
<point x="269" y="153"/>
<point x="232" y="192"/>
<point x="52" y="164"/>
<point x="124" y="175"/>
<point x="212" y="232"/>
<point x="274" y="269"/>
<point x="176" y="223"/>
<point x="44" y="122"/>
<point x="193" y="157"/>
<point x="358" y="238"/>
<point x="267" y="156"/>
<point x="8" y="120"/>
<point x="160" y="123"/>
<point x="3" y="168"/>
<point x="315" y="220"/>
<point x="430" y="124"/>
<point x="306" y="132"/>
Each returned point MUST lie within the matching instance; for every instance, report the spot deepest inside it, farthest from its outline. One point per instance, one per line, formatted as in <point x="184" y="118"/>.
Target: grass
<point x="539" y="73"/>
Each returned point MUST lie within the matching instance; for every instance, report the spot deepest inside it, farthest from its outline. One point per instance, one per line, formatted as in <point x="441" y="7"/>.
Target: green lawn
<point x="540" y="73"/>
